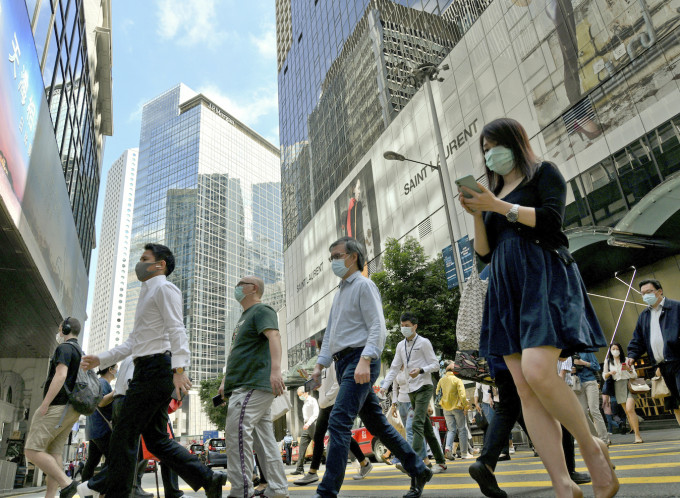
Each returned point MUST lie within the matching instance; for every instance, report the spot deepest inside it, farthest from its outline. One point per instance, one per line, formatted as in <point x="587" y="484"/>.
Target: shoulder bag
<point x="638" y="386"/>
<point x="280" y="405"/>
<point x="471" y="311"/>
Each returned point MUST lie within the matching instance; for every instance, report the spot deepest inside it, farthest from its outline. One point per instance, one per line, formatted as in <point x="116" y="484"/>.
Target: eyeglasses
<point x="340" y="255"/>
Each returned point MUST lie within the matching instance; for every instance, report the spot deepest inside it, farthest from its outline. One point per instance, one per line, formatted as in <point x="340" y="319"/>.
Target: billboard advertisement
<point x="32" y="187"/>
<point x="21" y="90"/>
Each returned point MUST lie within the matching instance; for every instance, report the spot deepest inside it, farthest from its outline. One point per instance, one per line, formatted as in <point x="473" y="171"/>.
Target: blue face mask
<point x="238" y="293"/>
<point x="339" y="268"/>
<point x="649" y="299"/>
<point x="500" y="160"/>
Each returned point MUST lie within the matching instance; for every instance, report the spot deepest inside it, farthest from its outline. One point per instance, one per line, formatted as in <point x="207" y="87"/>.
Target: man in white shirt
<point x="310" y="412"/>
<point x="657" y="333"/>
<point x="416" y="355"/>
<point x="159" y="348"/>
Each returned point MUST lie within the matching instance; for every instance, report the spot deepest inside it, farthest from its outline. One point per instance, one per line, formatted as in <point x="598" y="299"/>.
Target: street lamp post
<point x="425" y="73"/>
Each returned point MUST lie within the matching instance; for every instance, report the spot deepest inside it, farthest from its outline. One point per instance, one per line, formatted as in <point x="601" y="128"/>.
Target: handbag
<point x="608" y="387"/>
<point x="471" y="311"/>
<point x="480" y="421"/>
<point x="281" y="405"/>
<point x="659" y="388"/>
<point x="576" y="384"/>
<point x="469" y="366"/>
<point x="395" y="421"/>
<point x="638" y="386"/>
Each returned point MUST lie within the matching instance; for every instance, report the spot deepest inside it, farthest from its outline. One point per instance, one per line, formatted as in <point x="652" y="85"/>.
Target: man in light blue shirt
<point x="354" y="339"/>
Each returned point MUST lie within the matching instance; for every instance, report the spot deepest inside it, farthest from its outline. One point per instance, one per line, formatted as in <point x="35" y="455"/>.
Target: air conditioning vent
<point x="425" y="228"/>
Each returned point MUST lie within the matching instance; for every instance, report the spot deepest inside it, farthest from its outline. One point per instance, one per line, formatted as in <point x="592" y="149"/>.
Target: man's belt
<point x="149" y="356"/>
<point x="341" y="354"/>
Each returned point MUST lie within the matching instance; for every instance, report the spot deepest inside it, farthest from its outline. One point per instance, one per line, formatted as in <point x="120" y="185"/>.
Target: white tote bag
<point x="281" y="405"/>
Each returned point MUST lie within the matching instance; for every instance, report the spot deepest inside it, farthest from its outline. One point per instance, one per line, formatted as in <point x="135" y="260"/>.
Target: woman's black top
<point x="547" y="193"/>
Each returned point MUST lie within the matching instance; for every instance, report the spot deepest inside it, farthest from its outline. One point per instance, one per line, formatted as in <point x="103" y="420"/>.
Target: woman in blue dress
<point x="536" y="308"/>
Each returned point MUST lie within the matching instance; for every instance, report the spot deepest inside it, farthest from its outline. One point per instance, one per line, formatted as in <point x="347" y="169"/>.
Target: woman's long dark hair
<point x="509" y="133"/>
<point x="622" y="354"/>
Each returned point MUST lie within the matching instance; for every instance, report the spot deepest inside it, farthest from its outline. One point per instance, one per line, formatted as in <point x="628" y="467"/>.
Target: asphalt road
<point x="649" y="469"/>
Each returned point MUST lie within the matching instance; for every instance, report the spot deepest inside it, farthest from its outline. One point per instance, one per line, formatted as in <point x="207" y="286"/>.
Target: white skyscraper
<point x="108" y="308"/>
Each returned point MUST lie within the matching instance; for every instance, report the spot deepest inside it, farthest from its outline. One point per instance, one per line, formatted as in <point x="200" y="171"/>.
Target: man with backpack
<point x="52" y="422"/>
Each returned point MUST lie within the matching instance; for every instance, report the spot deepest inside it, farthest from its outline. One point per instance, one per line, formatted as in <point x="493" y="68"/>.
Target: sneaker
<point x="69" y="490"/>
<point x="503" y="457"/>
<point x="512" y="450"/>
<point x="298" y="472"/>
<point x="400" y="466"/>
<point x="468" y="456"/>
<point x="439" y="468"/>
<point x="448" y="455"/>
<point x="363" y="471"/>
<point x="84" y="491"/>
<point x="308" y="478"/>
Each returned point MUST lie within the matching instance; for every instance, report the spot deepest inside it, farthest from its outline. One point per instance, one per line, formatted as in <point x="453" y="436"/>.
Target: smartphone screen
<point x="217" y="400"/>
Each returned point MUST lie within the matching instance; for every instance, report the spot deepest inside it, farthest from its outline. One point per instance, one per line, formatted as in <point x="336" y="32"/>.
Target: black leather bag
<point x="608" y="387"/>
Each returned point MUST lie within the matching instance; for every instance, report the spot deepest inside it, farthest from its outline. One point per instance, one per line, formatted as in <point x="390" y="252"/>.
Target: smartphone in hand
<point x="468" y="182"/>
<point x="217" y="400"/>
<point x="312" y="384"/>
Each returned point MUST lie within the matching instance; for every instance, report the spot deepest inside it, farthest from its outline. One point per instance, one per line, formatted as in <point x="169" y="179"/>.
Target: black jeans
<point x="670" y="371"/>
<point x="320" y="434"/>
<point x="98" y="447"/>
<point x="145" y="412"/>
<point x="509" y="411"/>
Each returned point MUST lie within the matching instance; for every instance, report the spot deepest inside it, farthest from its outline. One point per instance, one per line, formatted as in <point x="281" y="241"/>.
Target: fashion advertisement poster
<point x="591" y="66"/>
<point x="357" y="212"/>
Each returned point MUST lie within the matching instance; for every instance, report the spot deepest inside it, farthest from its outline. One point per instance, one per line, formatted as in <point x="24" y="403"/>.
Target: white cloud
<point x="190" y="22"/>
<point x="136" y="115"/>
<point x="249" y="108"/>
<point x="265" y="42"/>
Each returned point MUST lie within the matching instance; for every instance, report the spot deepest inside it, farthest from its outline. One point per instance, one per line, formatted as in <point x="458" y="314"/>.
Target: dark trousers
<point x="508" y="411"/>
<point x="670" y="371"/>
<point x="320" y="434"/>
<point x="145" y="412"/>
<point x="289" y="453"/>
<point x="359" y="399"/>
<point x="422" y="427"/>
<point x="98" y="447"/>
<point x="307" y="437"/>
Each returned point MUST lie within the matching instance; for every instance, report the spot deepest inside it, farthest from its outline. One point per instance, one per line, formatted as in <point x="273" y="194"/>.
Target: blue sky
<point x="225" y="49"/>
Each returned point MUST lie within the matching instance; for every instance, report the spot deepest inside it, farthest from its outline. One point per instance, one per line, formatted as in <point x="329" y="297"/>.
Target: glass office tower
<point x="208" y="187"/>
<point x="342" y="67"/>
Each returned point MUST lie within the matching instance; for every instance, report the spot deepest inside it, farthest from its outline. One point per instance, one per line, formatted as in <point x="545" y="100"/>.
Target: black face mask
<point x="142" y="270"/>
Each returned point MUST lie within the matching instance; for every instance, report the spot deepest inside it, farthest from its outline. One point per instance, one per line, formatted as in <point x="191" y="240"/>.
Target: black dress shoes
<point x="580" y="477"/>
<point x="214" y="489"/>
<point x="486" y="480"/>
<point x="418" y="484"/>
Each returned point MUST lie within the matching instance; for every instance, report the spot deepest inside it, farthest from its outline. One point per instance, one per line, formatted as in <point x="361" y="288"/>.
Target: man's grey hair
<point x="352" y="246"/>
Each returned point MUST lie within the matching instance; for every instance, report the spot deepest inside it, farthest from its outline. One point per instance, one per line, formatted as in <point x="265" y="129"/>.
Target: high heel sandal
<point x="614" y="488"/>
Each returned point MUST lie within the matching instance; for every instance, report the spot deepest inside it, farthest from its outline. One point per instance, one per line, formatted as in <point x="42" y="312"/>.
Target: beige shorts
<point x="43" y="434"/>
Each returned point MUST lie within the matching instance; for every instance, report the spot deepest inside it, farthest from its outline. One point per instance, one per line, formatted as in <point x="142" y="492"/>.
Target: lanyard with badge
<point x="408" y="353"/>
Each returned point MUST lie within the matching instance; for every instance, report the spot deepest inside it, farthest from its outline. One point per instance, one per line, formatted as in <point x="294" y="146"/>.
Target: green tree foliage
<point x="209" y="388"/>
<point x="412" y="282"/>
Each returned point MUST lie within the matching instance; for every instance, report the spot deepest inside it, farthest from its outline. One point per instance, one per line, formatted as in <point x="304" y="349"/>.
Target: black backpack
<point x="86" y="393"/>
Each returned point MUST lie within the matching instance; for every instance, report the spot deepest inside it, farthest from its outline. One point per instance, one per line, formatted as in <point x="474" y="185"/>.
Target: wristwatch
<point x="366" y="357"/>
<point x="178" y="370"/>
<point x="513" y="215"/>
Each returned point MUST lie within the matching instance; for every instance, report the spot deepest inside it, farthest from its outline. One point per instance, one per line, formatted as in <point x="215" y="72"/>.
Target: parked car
<point x="196" y="449"/>
<point x="373" y="448"/>
<point x="215" y="453"/>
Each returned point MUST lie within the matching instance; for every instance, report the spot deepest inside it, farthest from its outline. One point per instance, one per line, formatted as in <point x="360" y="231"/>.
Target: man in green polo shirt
<point x="251" y="382"/>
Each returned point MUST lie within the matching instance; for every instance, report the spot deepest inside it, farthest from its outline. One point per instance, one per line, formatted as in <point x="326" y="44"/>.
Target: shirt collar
<point x="414" y="338"/>
<point x="350" y="279"/>
<point x="154" y="282"/>
<point x="660" y="307"/>
<point x="449" y="373"/>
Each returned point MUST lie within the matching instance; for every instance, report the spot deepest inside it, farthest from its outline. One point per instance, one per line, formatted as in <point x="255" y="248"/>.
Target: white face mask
<point x="616" y="353"/>
<point x="406" y="332"/>
<point x="60" y="338"/>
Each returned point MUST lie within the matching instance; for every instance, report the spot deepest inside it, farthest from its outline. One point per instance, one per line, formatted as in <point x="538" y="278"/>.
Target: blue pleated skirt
<point x="535" y="299"/>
